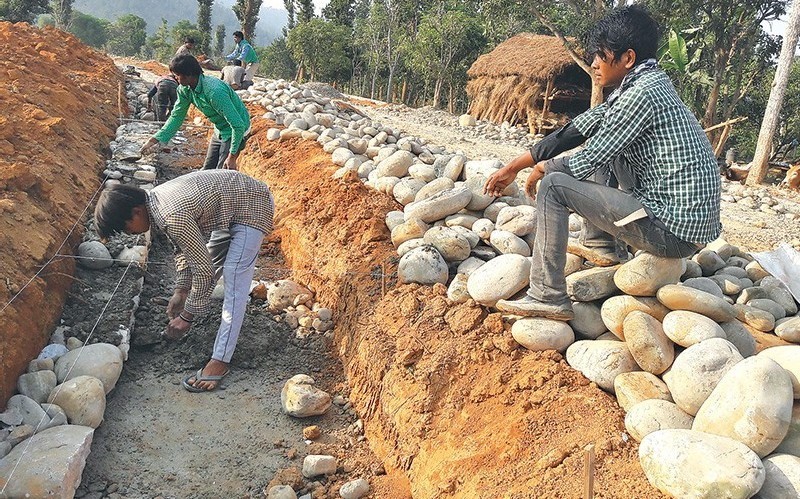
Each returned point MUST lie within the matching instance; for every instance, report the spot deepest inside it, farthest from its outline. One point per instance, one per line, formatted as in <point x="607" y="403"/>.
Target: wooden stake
<point x="383" y="279"/>
<point x="120" y="93"/>
<point x="588" y="472"/>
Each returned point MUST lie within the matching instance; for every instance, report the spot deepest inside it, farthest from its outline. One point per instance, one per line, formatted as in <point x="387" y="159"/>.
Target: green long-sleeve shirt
<point x="218" y="102"/>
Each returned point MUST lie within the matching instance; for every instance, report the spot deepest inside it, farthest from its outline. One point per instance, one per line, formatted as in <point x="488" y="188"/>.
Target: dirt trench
<point x="59" y="111"/>
<point x="446" y="395"/>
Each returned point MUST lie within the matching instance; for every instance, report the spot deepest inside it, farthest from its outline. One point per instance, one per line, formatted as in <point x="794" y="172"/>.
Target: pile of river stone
<point x="296" y="304"/>
<point x="671" y="338"/>
<point x="505" y="133"/>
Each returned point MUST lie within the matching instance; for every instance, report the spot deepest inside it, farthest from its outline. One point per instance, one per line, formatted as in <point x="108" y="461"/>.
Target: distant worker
<point x="233" y="74"/>
<point x="165" y="92"/>
<point x="218" y="102"/>
<point x="232" y="209"/>
<point x="187" y="48"/>
<point x="245" y="53"/>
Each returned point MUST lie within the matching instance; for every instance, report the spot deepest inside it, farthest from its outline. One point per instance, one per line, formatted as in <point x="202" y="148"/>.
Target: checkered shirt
<point x="678" y="178"/>
<point x="187" y="209"/>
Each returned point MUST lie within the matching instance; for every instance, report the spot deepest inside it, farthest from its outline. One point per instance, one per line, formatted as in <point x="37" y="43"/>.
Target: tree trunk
<point x="437" y="93"/>
<point x="760" y="164"/>
<point x="713" y="98"/>
<point x="597" y="92"/>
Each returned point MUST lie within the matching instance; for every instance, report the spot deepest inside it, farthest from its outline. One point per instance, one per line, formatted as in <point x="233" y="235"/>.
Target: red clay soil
<point x="447" y="398"/>
<point x="59" y="111"/>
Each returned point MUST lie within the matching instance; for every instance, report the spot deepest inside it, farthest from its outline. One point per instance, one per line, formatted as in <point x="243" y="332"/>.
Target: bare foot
<point x="213" y="368"/>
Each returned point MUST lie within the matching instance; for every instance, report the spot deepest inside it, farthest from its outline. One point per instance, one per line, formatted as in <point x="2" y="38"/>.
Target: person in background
<point x="165" y="92"/>
<point x="233" y="210"/>
<point x="187" y="47"/>
<point x="218" y="102"/>
<point x="233" y="74"/>
<point x="245" y="53"/>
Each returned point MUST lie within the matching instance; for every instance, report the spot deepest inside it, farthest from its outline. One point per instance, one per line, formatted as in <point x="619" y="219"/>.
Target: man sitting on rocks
<point x="646" y="176"/>
<point x="165" y="92"/>
<point x="218" y="102"/>
<point x="231" y="208"/>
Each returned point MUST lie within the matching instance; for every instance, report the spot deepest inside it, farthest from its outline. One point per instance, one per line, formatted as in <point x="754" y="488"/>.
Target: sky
<point x="278" y="4"/>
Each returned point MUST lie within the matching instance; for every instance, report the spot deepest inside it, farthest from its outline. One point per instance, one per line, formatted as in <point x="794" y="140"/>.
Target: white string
<point x="59" y="248"/>
<point x="71" y="367"/>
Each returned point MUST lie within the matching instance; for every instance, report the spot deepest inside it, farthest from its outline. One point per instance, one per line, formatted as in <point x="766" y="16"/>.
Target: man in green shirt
<point x="646" y="176"/>
<point x="218" y="102"/>
<point x="246" y="53"/>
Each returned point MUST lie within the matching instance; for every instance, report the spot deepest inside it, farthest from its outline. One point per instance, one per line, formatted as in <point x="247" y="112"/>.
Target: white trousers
<point x="250" y="70"/>
<point x="233" y="254"/>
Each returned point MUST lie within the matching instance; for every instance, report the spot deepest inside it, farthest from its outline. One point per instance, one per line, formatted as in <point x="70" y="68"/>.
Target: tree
<point x="21" y="10"/>
<point x="204" y="24"/>
<point x="320" y="47"/>
<point x="445" y="39"/>
<point x="771" y="114"/>
<point x="127" y="35"/>
<point x="182" y="30"/>
<point x="247" y="13"/>
<point x="62" y="13"/>
<point x="89" y="29"/>
<point x="160" y="46"/>
<point x="340" y="12"/>
<point x="291" y="21"/>
<point x="276" y="60"/>
<point x="219" y="42"/>
<point x="304" y="11"/>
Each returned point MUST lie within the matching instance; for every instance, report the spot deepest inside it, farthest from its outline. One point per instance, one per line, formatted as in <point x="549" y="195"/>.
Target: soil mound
<point x="59" y="101"/>
<point x="446" y="396"/>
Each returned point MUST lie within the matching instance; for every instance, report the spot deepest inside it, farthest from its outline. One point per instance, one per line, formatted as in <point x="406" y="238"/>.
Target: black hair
<point x="115" y="207"/>
<point x="189" y="39"/>
<point x="185" y="65"/>
<point x="236" y="62"/>
<point x="239" y="34"/>
<point x="628" y="28"/>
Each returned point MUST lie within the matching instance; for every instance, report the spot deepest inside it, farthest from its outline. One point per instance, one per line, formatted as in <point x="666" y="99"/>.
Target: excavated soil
<point x="445" y="394"/>
<point x="59" y="101"/>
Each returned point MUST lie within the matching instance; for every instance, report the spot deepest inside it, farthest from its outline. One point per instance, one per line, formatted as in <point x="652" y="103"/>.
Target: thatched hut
<point x="528" y="79"/>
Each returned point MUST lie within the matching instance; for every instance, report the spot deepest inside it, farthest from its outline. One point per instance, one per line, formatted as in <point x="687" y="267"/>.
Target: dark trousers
<point x="600" y="205"/>
<point x="218" y="151"/>
<point x="166" y="96"/>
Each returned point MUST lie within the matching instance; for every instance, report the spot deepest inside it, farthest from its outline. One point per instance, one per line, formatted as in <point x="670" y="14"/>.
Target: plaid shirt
<point x="215" y="99"/>
<point x="189" y="207"/>
<point x="677" y="175"/>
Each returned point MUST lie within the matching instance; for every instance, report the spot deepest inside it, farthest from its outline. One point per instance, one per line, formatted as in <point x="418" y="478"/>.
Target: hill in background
<point x="152" y="11"/>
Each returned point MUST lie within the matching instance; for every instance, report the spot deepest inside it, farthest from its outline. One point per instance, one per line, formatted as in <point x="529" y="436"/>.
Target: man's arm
<point x="234" y="54"/>
<point x="176" y="117"/>
<point x="562" y="140"/>
<point x="183" y="229"/>
<point x="150" y="95"/>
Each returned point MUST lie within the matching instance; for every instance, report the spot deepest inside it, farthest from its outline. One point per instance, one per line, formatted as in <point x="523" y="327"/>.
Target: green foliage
<point x="340" y="12"/>
<point x="160" y="46"/>
<point x="61" y="11"/>
<point x="247" y="13"/>
<point x="204" y="25"/>
<point x="127" y="35"/>
<point x="321" y="48"/>
<point x="276" y="60"/>
<point x="89" y="29"/>
<point x="219" y="40"/>
<point x="304" y="10"/>
<point x="185" y="29"/>
<point x="446" y="43"/>
<point x="21" y="10"/>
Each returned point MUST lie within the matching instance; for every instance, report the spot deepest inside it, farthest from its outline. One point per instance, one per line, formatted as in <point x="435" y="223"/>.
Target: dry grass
<point x="539" y="57"/>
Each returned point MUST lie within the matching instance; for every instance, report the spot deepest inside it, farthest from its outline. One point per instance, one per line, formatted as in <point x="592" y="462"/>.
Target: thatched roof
<point x="538" y="57"/>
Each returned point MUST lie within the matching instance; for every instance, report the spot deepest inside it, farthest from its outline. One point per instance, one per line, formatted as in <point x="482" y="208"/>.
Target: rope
<point x="71" y="367"/>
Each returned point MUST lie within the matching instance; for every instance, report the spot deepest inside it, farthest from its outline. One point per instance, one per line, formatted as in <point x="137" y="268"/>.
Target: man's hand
<point x="177" y="328"/>
<point x="536" y="175"/>
<point x="499" y="180"/>
<point x="230" y="162"/>
<point x="176" y="303"/>
<point x="150" y="144"/>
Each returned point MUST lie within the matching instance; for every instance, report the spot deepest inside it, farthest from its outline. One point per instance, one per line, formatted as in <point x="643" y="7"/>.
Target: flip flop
<point x="199" y="376"/>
